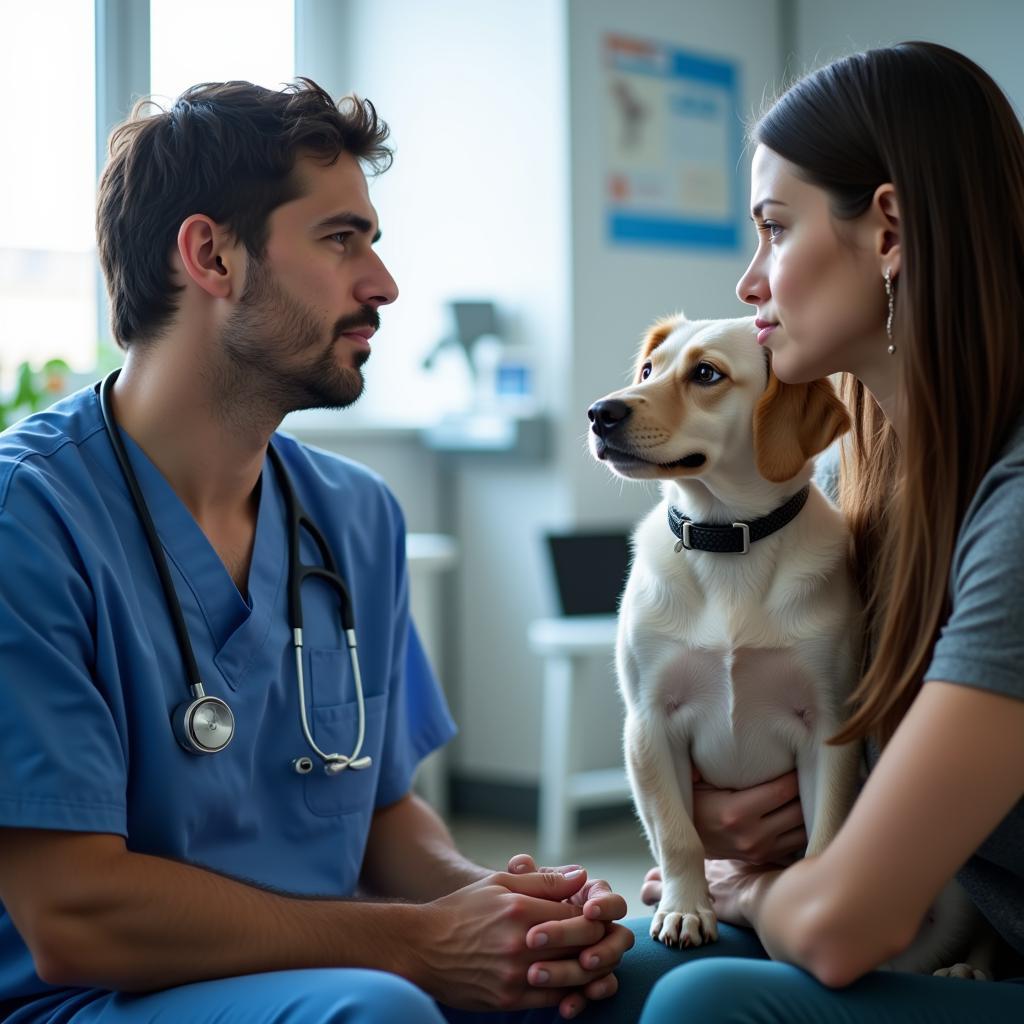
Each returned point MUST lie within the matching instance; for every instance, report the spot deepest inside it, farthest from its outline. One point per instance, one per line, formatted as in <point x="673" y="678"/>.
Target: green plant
<point x="33" y="389"/>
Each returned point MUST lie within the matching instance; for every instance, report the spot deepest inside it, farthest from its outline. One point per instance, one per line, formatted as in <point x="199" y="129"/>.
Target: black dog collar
<point x="735" y="539"/>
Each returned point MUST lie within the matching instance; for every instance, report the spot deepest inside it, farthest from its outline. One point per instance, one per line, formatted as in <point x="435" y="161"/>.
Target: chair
<point x="589" y="572"/>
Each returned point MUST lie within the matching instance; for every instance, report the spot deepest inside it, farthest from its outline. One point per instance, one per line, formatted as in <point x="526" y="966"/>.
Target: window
<point x="48" y="282"/>
<point x="194" y="41"/>
<point x="49" y="278"/>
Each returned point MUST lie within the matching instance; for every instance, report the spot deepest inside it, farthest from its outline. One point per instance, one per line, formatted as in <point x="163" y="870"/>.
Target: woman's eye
<point x="645" y="372"/>
<point x="705" y="373"/>
<point x="771" y="229"/>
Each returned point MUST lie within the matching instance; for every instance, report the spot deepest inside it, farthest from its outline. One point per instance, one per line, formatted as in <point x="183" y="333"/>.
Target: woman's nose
<point x="752" y="287"/>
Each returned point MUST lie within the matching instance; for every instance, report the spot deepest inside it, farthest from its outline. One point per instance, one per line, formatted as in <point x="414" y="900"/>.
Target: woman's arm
<point x="952" y="771"/>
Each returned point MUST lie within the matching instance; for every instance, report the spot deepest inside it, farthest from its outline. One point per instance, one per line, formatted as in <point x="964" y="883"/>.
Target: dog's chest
<point x="744" y="711"/>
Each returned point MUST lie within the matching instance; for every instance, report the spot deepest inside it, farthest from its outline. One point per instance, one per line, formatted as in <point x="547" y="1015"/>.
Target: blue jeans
<point x="720" y="984"/>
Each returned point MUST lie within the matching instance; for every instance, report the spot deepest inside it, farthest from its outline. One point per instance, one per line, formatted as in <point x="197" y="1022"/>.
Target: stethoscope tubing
<point x="212" y="713"/>
<point x="152" y="538"/>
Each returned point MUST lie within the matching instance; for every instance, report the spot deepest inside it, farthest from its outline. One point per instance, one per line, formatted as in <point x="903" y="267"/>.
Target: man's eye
<point x="646" y="371"/>
<point x="340" y="236"/>
<point x="705" y="373"/>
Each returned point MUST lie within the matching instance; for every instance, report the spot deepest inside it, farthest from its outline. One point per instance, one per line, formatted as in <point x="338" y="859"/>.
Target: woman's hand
<point x="760" y="825"/>
<point x="737" y="889"/>
<point x="595" y="929"/>
<point x="650" y="891"/>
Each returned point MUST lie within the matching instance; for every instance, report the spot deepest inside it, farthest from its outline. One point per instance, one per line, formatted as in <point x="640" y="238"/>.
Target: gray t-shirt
<point x="982" y="645"/>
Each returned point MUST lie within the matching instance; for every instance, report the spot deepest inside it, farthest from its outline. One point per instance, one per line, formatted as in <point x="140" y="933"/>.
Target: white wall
<point x="988" y="31"/>
<point x="476" y="207"/>
<point x="617" y="291"/>
<point x="474" y="204"/>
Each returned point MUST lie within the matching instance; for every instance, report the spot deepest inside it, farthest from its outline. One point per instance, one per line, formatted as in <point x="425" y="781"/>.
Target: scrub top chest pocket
<point x="335" y="726"/>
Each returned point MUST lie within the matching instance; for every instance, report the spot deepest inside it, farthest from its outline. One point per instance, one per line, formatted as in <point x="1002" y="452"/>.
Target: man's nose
<point x="378" y="287"/>
<point x="607" y="415"/>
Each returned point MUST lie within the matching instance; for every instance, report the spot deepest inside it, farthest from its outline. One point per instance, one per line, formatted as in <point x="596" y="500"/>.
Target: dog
<point x="737" y="641"/>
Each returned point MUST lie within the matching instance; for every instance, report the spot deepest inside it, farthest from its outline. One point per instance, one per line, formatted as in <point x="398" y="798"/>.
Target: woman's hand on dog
<point x="730" y="883"/>
<point x="763" y="825"/>
<point x="737" y="888"/>
<point x="603" y="941"/>
<point x="760" y="825"/>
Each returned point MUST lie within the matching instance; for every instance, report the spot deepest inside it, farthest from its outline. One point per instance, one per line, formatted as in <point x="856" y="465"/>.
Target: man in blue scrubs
<point x="138" y="881"/>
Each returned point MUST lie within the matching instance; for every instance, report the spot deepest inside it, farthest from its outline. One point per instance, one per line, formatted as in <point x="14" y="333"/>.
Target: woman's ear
<point x="886" y="209"/>
<point x="792" y="423"/>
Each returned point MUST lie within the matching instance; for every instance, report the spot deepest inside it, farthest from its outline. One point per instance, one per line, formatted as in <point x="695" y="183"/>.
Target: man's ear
<point x="885" y="208"/>
<point x="792" y="423"/>
<point x="209" y="257"/>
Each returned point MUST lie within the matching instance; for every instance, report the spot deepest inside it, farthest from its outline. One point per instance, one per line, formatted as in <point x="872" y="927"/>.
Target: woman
<point x="888" y="194"/>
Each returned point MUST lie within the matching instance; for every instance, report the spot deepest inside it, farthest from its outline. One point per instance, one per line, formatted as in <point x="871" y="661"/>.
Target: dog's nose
<point x="608" y="414"/>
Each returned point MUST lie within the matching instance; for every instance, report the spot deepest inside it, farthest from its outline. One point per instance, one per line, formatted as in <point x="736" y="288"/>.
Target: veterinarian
<point x="888" y="196"/>
<point x="206" y="747"/>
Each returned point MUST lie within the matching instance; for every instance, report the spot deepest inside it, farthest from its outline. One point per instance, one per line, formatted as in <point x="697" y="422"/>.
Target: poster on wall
<point x="672" y="146"/>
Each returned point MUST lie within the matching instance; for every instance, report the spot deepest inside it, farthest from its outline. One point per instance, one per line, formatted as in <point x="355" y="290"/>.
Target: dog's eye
<point x="645" y="371"/>
<point x="705" y="373"/>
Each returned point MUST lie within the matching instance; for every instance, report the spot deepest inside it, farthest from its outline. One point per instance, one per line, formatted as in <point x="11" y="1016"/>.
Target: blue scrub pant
<point x="727" y="982"/>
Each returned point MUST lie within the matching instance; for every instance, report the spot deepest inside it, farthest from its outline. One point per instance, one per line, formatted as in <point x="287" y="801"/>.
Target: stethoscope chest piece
<point x="205" y="725"/>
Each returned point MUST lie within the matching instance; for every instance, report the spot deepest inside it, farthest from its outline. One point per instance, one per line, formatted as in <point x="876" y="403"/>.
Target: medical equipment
<point x="205" y="724"/>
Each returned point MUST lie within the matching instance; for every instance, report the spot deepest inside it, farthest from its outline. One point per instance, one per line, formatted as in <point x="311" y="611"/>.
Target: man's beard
<point x="275" y="354"/>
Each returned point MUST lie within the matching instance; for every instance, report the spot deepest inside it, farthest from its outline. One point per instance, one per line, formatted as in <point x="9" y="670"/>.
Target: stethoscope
<point x="204" y="724"/>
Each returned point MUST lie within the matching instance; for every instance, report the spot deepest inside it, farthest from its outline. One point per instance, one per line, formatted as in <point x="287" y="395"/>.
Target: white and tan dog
<point x="737" y="642"/>
<point x="736" y="663"/>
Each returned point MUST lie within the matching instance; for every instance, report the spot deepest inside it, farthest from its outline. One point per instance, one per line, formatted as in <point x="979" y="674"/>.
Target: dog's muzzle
<point x="607" y="415"/>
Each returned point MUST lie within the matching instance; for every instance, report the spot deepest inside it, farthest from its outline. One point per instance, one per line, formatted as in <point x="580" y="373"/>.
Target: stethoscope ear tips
<point x="304" y="765"/>
<point x="337" y="766"/>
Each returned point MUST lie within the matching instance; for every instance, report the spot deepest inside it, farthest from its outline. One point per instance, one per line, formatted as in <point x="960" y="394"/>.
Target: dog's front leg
<point x="684" y="916"/>
<point x="828" y="778"/>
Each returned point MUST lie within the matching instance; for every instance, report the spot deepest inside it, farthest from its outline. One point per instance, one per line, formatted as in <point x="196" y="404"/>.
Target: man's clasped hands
<point x="557" y="933"/>
<point x="555" y="936"/>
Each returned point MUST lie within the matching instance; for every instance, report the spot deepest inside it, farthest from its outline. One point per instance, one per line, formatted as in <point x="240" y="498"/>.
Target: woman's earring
<point x="888" y="323"/>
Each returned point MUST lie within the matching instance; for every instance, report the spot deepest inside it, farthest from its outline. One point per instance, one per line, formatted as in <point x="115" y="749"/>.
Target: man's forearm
<point x="411" y="855"/>
<point x="148" y="923"/>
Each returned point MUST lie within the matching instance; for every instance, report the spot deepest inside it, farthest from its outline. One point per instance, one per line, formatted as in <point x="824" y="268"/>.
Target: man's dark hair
<point x="224" y="149"/>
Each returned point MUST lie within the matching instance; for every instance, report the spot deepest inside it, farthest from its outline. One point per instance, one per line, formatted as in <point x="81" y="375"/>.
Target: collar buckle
<point x="684" y="539"/>
<point x="744" y="528"/>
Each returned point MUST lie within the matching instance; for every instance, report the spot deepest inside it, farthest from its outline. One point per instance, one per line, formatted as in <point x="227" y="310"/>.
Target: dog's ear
<point x="793" y="422"/>
<point x="656" y="334"/>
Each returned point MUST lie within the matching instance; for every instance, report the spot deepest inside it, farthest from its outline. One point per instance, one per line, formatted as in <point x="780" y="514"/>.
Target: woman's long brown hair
<point x="936" y="126"/>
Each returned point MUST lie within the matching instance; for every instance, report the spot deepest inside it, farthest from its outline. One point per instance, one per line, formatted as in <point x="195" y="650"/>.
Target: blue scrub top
<point x="90" y="672"/>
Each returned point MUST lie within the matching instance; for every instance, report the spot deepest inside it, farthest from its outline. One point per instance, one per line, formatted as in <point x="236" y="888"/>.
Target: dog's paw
<point x="685" y="928"/>
<point x="965" y="971"/>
